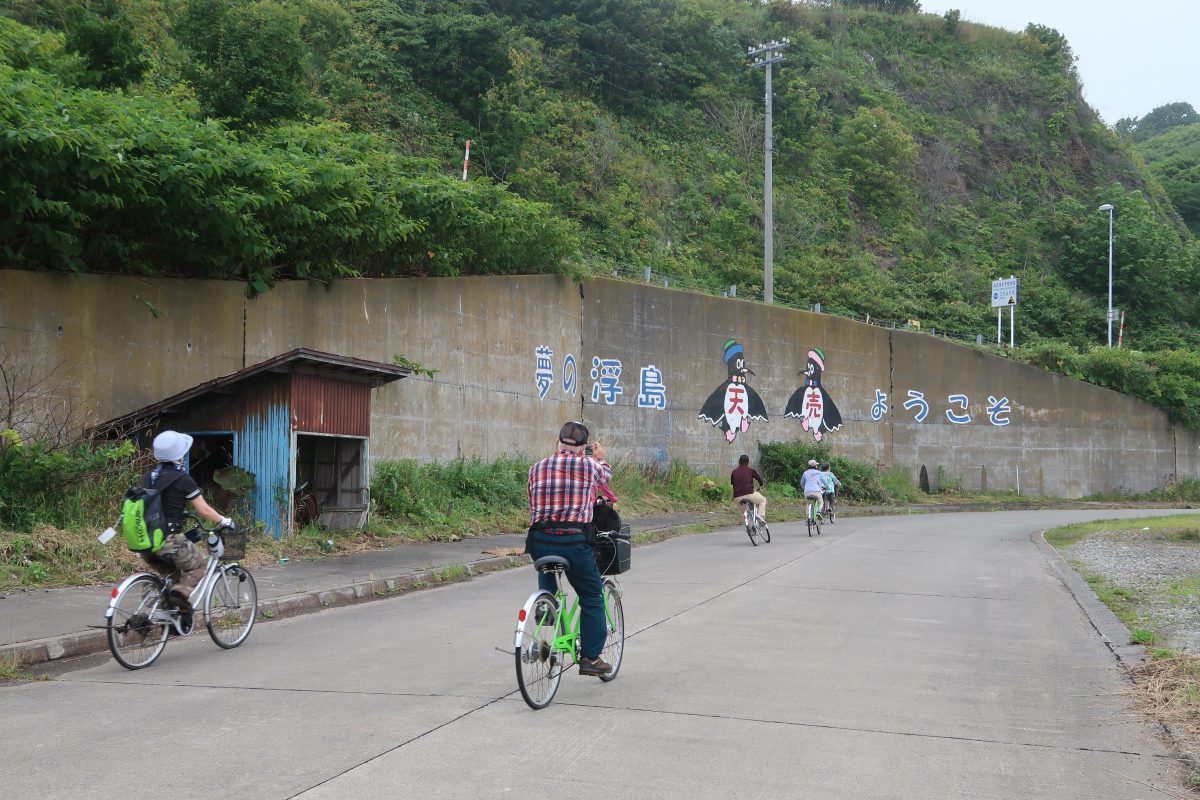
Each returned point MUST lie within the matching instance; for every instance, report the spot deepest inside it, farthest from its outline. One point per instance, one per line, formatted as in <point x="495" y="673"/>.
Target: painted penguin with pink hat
<point x="811" y="404"/>
<point x="733" y="404"/>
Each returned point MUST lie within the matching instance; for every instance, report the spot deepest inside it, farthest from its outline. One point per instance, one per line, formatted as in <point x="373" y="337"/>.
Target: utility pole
<point x="765" y="55"/>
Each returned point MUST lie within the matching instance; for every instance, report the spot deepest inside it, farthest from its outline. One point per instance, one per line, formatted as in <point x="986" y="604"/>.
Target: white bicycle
<point x="141" y="616"/>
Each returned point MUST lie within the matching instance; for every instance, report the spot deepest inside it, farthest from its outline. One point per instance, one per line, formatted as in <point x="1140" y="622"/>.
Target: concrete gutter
<point x="1114" y="632"/>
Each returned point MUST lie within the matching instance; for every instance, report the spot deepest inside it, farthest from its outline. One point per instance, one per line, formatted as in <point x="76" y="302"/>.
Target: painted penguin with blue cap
<point x="811" y="403"/>
<point x="734" y="403"/>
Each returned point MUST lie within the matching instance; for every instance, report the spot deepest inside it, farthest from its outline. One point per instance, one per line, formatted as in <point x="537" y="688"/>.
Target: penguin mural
<point x="734" y="403"/>
<point x="811" y="403"/>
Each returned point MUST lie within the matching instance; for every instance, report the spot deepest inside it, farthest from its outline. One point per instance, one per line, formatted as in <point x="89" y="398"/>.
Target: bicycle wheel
<point x="539" y="665"/>
<point x="808" y="523"/>
<point x="750" y="529"/>
<point x="817" y="524"/>
<point x="764" y="532"/>
<point x="134" y="639"/>
<point x="231" y="606"/>
<point x="614" y="645"/>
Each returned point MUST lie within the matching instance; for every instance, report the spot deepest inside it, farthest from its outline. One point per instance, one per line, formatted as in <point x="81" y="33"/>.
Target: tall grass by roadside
<point x="1186" y="491"/>
<point x="465" y="495"/>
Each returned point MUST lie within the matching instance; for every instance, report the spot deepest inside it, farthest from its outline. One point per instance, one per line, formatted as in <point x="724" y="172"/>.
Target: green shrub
<point x="80" y="484"/>
<point x="947" y="483"/>
<point x="1183" y="491"/>
<point x="897" y="482"/>
<point x="787" y="461"/>
<point x="861" y="483"/>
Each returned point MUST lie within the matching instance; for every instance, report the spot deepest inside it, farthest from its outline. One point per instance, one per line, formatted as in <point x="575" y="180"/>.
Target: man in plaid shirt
<point x="562" y="493"/>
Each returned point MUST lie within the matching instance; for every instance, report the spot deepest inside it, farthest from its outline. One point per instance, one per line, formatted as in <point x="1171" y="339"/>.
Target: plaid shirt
<point x="562" y="488"/>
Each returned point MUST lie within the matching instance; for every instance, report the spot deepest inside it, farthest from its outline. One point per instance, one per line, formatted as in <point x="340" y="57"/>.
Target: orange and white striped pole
<point x="466" y="159"/>
<point x="1121" y="331"/>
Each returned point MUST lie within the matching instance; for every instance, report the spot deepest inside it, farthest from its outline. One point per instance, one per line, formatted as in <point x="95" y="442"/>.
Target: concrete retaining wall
<point x="516" y="356"/>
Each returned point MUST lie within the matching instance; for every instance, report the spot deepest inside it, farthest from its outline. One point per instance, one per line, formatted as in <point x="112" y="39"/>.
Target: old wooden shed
<point x="300" y="422"/>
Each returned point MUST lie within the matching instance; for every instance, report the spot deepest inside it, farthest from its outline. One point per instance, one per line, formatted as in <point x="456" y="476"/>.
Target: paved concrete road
<point x="933" y="656"/>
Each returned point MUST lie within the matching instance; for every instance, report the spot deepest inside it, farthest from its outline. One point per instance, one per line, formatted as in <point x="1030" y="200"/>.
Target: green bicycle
<point x="813" y="517"/>
<point x="547" y="636"/>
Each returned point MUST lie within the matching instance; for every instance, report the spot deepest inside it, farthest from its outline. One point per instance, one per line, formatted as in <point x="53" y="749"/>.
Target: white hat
<point x="171" y="446"/>
<point x="811" y="462"/>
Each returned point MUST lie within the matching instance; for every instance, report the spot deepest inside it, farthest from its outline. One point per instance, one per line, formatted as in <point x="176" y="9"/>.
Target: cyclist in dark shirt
<point x="743" y="479"/>
<point x="178" y="557"/>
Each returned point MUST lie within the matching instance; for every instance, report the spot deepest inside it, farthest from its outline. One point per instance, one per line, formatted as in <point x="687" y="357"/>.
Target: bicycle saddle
<point x="551" y="563"/>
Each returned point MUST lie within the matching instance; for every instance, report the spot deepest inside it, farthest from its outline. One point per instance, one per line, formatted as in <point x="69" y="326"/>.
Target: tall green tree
<point x="114" y="51"/>
<point x="1174" y="159"/>
<point x="1155" y="274"/>
<point x="1158" y="121"/>
<point x="248" y="59"/>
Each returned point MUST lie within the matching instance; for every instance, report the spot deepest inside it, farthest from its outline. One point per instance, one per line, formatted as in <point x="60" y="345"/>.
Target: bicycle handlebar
<point x="624" y="533"/>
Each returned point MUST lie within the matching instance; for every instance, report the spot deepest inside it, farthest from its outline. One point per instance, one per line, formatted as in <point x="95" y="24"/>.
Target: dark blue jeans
<point x="584" y="577"/>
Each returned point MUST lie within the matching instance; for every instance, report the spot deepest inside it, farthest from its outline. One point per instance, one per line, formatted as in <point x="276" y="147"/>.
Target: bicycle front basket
<point x="235" y="545"/>
<point x="613" y="550"/>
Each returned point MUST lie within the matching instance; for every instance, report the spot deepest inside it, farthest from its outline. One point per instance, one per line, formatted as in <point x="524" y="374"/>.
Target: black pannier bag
<point x="605" y="517"/>
<point x="613" y="550"/>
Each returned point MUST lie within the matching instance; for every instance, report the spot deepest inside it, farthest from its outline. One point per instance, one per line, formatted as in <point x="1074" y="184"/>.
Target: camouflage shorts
<point x="176" y="555"/>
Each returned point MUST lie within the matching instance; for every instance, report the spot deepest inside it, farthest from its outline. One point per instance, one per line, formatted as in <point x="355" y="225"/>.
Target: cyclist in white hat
<point x="178" y="556"/>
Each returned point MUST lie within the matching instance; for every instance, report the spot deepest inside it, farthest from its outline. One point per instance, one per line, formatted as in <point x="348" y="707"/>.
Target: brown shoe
<point x="179" y="599"/>
<point x="594" y="666"/>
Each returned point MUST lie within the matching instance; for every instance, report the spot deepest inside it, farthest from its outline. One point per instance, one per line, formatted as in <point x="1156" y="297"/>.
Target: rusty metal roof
<point x="301" y="360"/>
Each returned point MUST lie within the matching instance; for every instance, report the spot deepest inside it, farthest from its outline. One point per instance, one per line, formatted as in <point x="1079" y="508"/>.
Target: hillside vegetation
<point x="917" y="157"/>
<point x="1168" y="138"/>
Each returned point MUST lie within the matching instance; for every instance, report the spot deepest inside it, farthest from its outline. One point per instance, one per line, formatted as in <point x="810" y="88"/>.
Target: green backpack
<point x="142" y="520"/>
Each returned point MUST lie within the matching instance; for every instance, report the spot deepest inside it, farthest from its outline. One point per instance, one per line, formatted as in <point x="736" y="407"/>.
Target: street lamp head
<point x="1105" y="207"/>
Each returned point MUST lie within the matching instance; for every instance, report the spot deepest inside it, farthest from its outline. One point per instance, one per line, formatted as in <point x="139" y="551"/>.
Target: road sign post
<point x="1004" y="293"/>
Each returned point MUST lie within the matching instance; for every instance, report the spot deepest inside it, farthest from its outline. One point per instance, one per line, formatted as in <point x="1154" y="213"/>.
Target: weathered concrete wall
<point x="479" y="333"/>
<point x="1062" y="437"/>
<point x="596" y="343"/>
<point x="111" y="349"/>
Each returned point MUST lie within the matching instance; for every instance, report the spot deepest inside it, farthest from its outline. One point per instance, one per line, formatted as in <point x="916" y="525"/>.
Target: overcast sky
<point x="1133" y="56"/>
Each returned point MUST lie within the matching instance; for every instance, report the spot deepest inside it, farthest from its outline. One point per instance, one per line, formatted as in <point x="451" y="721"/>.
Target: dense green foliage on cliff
<point x="1168" y="138"/>
<point x="917" y="157"/>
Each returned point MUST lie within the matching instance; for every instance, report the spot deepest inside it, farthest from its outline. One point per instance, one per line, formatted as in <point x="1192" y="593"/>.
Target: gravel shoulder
<point x="1160" y="579"/>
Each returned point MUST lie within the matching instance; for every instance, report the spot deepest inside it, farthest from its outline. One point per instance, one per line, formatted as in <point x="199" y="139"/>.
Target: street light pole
<point x="769" y="57"/>
<point x="1109" y="208"/>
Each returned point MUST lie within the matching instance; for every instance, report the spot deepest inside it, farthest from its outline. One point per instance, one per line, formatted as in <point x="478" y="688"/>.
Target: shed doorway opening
<point x="210" y="453"/>
<point x="330" y="469"/>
